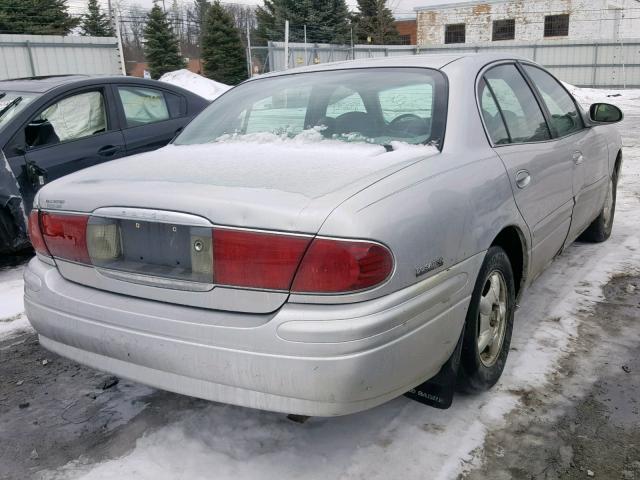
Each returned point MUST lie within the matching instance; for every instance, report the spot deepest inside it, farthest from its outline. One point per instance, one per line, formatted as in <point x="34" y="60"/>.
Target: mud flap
<point x="438" y="391"/>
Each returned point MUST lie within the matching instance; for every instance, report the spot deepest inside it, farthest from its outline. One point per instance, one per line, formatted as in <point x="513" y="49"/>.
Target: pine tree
<point x="375" y="22"/>
<point x="36" y="17"/>
<point x="161" y="48"/>
<point x="327" y="21"/>
<point x="223" y="54"/>
<point x="95" y="23"/>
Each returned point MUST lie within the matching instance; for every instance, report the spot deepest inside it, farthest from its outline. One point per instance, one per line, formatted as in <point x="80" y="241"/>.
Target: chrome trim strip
<point x="151" y="215"/>
<point x="153" y="281"/>
<point x="46" y="259"/>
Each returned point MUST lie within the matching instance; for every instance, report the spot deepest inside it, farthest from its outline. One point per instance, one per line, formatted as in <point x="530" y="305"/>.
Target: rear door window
<point x="492" y="116"/>
<point x="522" y="115"/>
<point x="143" y="105"/>
<point x="565" y="118"/>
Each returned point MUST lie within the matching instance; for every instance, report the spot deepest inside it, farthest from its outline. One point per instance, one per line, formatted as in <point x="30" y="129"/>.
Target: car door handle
<point x="523" y="179"/>
<point x="578" y="158"/>
<point x="108" y="150"/>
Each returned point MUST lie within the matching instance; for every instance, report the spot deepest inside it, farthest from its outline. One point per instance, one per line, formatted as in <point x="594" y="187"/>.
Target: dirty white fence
<point x="599" y="63"/>
<point x="37" y="55"/>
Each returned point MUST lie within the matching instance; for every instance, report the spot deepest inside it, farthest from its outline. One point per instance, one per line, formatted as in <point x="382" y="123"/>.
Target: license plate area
<point x="156" y="249"/>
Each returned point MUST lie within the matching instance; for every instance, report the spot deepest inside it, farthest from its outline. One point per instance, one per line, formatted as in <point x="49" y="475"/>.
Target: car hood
<point x="289" y="186"/>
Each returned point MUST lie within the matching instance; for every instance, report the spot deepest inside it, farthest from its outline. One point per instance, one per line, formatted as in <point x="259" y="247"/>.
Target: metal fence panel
<point x="37" y="55"/>
<point x="581" y="63"/>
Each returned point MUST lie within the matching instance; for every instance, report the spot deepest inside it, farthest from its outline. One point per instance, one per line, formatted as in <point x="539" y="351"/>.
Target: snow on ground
<point x="401" y="439"/>
<point x="12" y="318"/>
<point x="627" y="100"/>
<point x="209" y="89"/>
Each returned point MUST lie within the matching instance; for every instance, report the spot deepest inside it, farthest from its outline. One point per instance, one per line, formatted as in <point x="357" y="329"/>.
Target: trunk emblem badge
<point x="198" y="245"/>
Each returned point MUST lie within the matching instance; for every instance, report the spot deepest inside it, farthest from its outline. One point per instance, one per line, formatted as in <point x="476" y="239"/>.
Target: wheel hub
<point x="492" y="318"/>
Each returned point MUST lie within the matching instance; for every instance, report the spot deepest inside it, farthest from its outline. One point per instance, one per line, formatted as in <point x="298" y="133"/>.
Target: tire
<point x="600" y="228"/>
<point x="8" y="232"/>
<point x="481" y="367"/>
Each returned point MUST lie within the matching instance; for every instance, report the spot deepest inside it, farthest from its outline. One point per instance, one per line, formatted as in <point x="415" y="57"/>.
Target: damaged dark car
<point x="53" y="126"/>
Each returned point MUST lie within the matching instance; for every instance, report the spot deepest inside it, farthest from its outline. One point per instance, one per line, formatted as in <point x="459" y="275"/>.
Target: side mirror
<point x="605" y="113"/>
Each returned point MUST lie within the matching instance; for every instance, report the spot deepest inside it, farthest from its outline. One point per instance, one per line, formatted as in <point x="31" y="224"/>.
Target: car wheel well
<point x="511" y="240"/>
<point x="618" y="164"/>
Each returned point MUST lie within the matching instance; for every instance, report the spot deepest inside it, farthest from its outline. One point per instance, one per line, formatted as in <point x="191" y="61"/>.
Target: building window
<point x="556" y="25"/>
<point x="454" y="33"/>
<point x="405" y="39"/>
<point x="504" y="29"/>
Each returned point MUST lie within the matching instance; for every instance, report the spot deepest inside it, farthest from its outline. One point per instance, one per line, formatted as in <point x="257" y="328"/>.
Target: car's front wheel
<point x="489" y="324"/>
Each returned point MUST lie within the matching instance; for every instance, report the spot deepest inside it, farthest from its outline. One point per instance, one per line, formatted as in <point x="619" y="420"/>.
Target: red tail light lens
<point x="65" y="236"/>
<point x="240" y="258"/>
<point x="35" y="235"/>
<point x="255" y="259"/>
<point x="336" y="266"/>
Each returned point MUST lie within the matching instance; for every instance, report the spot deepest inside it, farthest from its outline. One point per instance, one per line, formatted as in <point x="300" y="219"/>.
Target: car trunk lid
<point x="166" y="200"/>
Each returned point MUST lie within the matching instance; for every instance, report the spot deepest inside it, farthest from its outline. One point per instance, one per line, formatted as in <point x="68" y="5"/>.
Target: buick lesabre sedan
<point x="319" y="241"/>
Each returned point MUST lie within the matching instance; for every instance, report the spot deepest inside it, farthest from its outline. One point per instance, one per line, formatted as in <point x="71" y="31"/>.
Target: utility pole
<point x="286" y="45"/>
<point x="353" y="48"/>
<point x="306" y="59"/>
<point x="249" y="59"/>
<point x="120" y="50"/>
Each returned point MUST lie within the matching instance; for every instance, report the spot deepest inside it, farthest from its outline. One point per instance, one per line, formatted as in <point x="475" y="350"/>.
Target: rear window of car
<point x="375" y="105"/>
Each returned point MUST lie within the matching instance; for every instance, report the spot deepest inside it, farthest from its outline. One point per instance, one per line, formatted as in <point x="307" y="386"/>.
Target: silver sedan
<point x="322" y="240"/>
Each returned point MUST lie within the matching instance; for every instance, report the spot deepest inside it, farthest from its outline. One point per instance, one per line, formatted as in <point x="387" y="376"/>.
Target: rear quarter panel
<point x="440" y="210"/>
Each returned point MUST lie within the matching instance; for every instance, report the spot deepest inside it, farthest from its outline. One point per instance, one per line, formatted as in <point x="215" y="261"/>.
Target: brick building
<point x="408" y="30"/>
<point x="527" y="20"/>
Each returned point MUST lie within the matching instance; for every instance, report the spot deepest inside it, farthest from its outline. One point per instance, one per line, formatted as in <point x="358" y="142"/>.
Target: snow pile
<point x="209" y="89"/>
<point x="627" y="100"/>
<point x="12" y="318"/>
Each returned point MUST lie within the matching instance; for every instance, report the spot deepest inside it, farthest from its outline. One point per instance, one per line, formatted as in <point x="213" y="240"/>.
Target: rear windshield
<point x="373" y="105"/>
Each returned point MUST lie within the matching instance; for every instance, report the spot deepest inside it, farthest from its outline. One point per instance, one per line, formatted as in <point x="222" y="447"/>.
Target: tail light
<point x="237" y="258"/>
<point x="284" y="262"/>
<point x="35" y="235"/>
<point x="258" y="260"/>
<point x="336" y="266"/>
<point x="65" y="236"/>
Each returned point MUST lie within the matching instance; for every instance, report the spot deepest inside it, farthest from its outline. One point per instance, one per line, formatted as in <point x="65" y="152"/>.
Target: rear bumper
<point x="320" y="360"/>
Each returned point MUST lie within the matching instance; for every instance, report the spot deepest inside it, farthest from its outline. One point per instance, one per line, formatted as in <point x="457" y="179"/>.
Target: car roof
<point x="422" y="60"/>
<point x="45" y="83"/>
<point x="38" y="84"/>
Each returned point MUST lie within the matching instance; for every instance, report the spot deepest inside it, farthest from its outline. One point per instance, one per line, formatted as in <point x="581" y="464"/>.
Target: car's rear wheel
<point x="600" y="228"/>
<point x="489" y="324"/>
